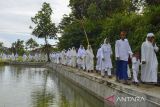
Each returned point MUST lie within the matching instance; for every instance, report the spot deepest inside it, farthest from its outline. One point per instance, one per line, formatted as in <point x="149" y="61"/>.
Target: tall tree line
<point x="106" y="18"/>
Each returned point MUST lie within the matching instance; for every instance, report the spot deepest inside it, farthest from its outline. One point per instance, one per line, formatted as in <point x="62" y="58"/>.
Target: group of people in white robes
<point x="148" y="61"/>
<point x="37" y="57"/>
<point x="84" y="59"/>
<point x="8" y="56"/>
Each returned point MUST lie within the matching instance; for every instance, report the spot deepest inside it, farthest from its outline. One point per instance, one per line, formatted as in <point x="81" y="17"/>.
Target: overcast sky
<point x="15" y="17"/>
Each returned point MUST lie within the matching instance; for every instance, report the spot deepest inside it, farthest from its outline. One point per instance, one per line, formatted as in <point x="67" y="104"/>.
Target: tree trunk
<point x="47" y="50"/>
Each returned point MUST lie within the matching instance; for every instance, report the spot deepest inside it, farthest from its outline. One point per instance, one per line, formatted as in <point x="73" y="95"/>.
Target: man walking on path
<point x="122" y="51"/>
<point x="149" y="60"/>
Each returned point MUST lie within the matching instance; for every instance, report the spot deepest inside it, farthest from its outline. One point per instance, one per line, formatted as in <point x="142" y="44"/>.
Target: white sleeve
<point x="129" y="49"/>
<point x="143" y="53"/>
<point x="134" y="60"/>
<point x="97" y="54"/>
<point x="111" y="50"/>
<point x="102" y="52"/>
<point x="156" y="48"/>
<point x="116" y="49"/>
<point x="79" y="53"/>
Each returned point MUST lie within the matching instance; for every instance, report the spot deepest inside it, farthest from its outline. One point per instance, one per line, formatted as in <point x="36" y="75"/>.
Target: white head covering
<point x="105" y="40"/>
<point x="150" y="35"/>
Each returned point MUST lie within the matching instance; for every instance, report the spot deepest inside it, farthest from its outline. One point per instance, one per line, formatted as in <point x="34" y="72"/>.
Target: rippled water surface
<point x="22" y="86"/>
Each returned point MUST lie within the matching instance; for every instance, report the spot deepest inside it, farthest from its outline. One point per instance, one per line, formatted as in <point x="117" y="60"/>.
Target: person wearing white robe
<point x="81" y="57"/>
<point x="12" y="57"/>
<point x="106" y="63"/>
<point x="135" y="67"/>
<point x="36" y="57"/>
<point x="149" y="60"/>
<point x="57" y="58"/>
<point x="24" y="57"/>
<point x="54" y="57"/>
<point x="73" y="57"/>
<point x="30" y="57"/>
<point x="69" y="57"/>
<point x="60" y="57"/>
<point x="63" y="60"/>
<point x="16" y="56"/>
<point x="65" y="57"/>
<point x="89" y="59"/>
<point x="99" y="60"/>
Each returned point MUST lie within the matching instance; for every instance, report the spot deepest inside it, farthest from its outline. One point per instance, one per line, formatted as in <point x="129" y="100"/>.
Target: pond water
<point x="22" y="86"/>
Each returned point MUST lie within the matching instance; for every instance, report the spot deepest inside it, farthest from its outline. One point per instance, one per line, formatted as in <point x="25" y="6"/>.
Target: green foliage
<point x="153" y="2"/>
<point x="44" y="28"/>
<point x="93" y="11"/>
<point x="18" y="47"/>
<point x="20" y="59"/>
<point x="31" y="44"/>
<point x="1" y="47"/>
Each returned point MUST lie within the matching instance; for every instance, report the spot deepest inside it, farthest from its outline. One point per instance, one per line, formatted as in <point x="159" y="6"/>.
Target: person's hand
<point x="153" y="41"/>
<point x="143" y="62"/>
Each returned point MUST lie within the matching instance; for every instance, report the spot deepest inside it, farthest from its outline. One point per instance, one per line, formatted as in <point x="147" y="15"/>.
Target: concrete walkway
<point x="152" y="91"/>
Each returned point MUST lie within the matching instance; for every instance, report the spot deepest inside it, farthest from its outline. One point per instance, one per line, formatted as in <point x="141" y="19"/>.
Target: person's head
<point x="73" y="48"/>
<point x="123" y="35"/>
<point x="150" y="37"/>
<point x="101" y="45"/>
<point x="81" y="46"/>
<point x="136" y="54"/>
<point x="89" y="47"/>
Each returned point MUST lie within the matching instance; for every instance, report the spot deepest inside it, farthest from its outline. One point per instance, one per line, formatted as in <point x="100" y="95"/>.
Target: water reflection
<point x="37" y="87"/>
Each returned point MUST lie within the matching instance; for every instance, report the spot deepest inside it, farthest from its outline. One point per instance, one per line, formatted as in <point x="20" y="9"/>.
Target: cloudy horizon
<point x="15" y="18"/>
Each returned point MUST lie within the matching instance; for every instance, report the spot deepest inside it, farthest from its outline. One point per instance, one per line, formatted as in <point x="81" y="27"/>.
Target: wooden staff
<point x="84" y="31"/>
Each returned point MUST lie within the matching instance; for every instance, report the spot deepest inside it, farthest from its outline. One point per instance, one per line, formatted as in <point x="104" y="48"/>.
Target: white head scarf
<point x="105" y="40"/>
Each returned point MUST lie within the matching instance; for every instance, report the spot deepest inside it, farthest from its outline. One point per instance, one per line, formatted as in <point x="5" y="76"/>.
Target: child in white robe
<point x="135" y="67"/>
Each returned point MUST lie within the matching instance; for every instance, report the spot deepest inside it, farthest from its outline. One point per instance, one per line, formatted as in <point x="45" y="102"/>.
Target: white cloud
<point x="5" y="42"/>
<point x="15" y="17"/>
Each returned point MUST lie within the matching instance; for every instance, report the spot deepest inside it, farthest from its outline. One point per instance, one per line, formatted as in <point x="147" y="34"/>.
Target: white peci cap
<point x="150" y="35"/>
